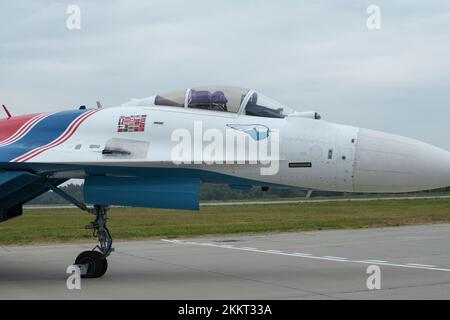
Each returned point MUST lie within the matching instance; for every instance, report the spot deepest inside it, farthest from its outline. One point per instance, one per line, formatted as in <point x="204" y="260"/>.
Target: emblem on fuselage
<point x="134" y="123"/>
<point x="256" y="131"/>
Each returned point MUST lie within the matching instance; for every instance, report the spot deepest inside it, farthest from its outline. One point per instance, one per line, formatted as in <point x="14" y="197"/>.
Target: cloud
<point x="307" y="54"/>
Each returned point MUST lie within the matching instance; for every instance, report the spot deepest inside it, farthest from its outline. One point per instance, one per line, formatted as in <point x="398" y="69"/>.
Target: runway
<point x="414" y="263"/>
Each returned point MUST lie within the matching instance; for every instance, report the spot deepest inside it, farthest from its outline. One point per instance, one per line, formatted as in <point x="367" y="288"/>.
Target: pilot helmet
<point x="218" y="99"/>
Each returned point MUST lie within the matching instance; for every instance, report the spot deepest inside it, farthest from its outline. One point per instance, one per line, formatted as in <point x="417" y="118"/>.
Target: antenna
<point x="99" y="105"/>
<point x="8" y="115"/>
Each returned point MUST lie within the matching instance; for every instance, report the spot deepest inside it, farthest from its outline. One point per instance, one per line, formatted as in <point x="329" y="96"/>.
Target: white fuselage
<point x="342" y="158"/>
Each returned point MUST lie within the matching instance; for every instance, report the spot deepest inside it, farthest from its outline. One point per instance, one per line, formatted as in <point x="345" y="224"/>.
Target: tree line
<point x="208" y="192"/>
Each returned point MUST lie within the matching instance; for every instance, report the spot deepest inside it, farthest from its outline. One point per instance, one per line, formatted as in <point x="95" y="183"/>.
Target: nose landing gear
<point x="94" y="263"/>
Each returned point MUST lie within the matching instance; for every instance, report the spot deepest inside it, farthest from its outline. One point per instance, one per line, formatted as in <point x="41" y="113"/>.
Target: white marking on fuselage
<point x="308" y="256"/>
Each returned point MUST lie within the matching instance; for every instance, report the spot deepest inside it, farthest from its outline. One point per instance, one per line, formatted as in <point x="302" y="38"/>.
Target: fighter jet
<point x="155" y="152"/>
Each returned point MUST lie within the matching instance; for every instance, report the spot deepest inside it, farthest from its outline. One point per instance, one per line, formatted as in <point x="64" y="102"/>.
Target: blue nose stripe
<point x="43" y="133"/>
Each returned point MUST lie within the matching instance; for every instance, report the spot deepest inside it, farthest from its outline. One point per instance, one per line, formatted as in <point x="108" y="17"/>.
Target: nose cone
<point x="390" y="163"/>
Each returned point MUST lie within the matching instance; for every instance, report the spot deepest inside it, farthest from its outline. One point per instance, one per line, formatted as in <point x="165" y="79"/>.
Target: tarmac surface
<point x="414" y="263"/>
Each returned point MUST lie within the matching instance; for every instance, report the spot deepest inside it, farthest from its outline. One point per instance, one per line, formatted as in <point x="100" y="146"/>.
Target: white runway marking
<point x="309" y="256"/>
<point x="303" y="200"/>
<point x="421" y="265"/>
<point x="303" y="254"/>
<point x="336" y="258"/>
<point x="376" y="261"/>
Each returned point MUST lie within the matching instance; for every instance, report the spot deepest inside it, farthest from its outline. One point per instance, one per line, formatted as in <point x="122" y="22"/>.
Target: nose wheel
<point x="94" y="264"/>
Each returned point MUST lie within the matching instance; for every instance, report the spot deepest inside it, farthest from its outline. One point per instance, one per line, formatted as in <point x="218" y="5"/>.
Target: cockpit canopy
<point x="224" y="99"/>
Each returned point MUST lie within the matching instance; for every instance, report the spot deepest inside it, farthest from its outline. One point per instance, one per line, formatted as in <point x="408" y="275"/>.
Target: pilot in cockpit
<point x="219" y="101"/>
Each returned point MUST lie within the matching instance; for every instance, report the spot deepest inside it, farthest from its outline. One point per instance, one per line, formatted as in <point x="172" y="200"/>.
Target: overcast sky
<point x="312" y="55"/>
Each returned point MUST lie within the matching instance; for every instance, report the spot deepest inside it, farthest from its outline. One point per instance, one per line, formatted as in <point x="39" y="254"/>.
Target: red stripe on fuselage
<point x="8" y="127"/>
<point x="63" y="138"/>
<point x="24" y="129"/>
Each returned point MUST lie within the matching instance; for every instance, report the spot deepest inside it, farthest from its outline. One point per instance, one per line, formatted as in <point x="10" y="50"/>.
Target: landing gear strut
<point x="93" y="263"/>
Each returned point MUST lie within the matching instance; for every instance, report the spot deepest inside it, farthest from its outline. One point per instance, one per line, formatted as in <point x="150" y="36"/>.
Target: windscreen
<point x="262" y="106"/>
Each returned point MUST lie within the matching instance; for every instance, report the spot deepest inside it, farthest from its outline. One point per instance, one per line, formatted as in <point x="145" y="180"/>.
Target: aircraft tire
<point x="97" y="265"/>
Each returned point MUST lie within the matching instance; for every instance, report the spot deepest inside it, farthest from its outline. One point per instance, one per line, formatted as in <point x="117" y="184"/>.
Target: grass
<point x="66" y="225"/>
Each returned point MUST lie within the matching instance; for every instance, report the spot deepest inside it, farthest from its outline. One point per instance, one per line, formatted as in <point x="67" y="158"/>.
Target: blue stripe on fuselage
<point x="123" y="171"/>
<point x="46" y="131"/>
